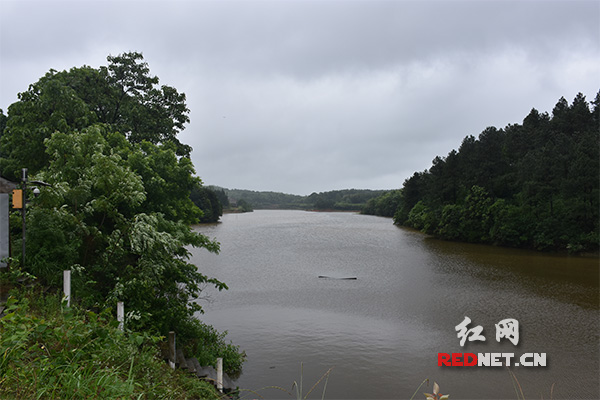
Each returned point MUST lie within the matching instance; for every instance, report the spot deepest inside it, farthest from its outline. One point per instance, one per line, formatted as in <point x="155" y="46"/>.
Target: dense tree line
<point x="265" y="200"/>
<point x="384" y="205"/>
<point x="209" y="200"/>
<point x="341" y="200"/>
<point x="221" y="195"/>
<point x="534" y="184"/>
<point x="120" y="205"/>
<point x="243" y="206"/>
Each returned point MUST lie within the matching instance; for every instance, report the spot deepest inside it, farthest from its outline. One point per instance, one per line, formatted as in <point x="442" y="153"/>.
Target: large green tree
<point x="93" y="219"/>
<point x="123" y="95"/>
<point x="118" y="211"/>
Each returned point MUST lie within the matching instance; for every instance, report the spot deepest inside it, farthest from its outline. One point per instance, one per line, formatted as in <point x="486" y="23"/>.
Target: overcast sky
<point x="310" y="96"/>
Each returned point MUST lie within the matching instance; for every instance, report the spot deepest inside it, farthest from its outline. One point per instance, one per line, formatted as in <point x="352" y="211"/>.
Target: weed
<point x="53" y="352"/>
<point x="297" y="387"/>
<point x="519" y="390"/>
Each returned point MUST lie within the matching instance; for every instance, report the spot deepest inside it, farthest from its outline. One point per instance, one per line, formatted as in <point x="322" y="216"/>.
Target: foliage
<point x="265" y="200"/>
<point x="122" y="95"/>
<point x="206" y="199"/>
<point x="118" y="211"/>
<point x="422" y="217"/>
<point x="168" y="180"/>
<point x="384" y="205"/>
<point x="49" y="351"/>
<point x="244" y="206"/>
<point x="221" y="195"/>
<point x="531" y="185"/>
<point x="341" y="200"/>
<point x="98" y="208"/>
<point x="3" y="119"/>
<point x="207" y="345"/>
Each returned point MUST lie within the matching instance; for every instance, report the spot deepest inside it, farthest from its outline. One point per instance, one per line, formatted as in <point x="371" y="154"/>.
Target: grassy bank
<point x="51" y="351"/>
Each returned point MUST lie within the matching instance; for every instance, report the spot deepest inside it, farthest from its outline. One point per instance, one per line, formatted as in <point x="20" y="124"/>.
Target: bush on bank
<point x="51" y="351"/>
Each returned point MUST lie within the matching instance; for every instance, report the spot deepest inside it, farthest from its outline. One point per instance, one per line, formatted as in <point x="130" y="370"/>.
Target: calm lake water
<point x="382" y="332"/>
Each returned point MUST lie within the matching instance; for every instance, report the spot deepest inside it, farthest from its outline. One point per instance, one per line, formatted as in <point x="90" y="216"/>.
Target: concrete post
<point x="220" y="375"/>
<point x="67" y="286"/>
<point x="121" y="315"/>
<point x="172" y="352"/>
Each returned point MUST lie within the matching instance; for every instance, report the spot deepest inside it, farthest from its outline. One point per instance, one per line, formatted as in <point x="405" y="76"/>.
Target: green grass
<point x="49" y="351"/>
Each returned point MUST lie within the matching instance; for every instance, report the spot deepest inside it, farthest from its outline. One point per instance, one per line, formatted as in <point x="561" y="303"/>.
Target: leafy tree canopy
<point x="207" y="199"/>
<point x="122" y="95"/>
<point x="95" y="220"/>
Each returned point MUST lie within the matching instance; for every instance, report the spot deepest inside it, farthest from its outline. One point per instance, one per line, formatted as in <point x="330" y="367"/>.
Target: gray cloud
<point x="302" y="96"/>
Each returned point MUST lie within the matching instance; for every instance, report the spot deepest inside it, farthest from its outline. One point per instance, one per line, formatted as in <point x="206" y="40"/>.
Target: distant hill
<point x="339" y="200"/>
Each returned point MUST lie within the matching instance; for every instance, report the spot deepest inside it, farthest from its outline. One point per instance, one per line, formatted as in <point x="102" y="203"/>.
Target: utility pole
<point x="20" y="201"/>
<point x="24" y="180"/>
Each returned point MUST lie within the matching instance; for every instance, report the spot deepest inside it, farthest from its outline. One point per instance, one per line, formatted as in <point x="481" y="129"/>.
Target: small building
<point x="6" y="187"/>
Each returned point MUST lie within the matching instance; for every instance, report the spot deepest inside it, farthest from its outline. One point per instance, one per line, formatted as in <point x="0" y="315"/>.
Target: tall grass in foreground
<point x="519" y="390"/>
<point x="48" y="351"/>
<point x="298" y="388"/>
<point x="435" y="395"/>
<point x="300" y="395"/>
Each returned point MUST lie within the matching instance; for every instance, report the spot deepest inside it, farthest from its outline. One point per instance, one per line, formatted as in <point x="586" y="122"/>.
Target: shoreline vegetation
<point x="533" y="185"/>
<point x="353" y="200"/>
<point x="53" y="351"/>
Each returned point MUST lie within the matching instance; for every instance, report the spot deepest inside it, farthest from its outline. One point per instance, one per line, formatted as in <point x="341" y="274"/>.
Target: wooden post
<point x="172" y="349"/>
<point x="220" y="375"/>
<point x="24" y="180"/>
<point x="121" y="315"/>
<point x="67" y="286"/>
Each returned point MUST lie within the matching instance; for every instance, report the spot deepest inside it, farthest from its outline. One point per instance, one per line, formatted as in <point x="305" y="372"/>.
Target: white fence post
<point x="172" y="352"/>
<point x="121" y="315"/>
<point x="67" y="286"/>
<point x="220" y="375"/>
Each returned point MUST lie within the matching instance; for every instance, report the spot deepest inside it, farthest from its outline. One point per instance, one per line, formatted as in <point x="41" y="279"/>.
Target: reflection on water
<point x="382" y="332"/>
<point x="570" y="279"/>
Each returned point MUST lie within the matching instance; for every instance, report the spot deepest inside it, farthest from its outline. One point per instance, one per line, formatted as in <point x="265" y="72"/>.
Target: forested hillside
<point x="265" y="200"/>
<point x="534" y="184"/>
<point x="344" y="200"/>
<point x="339" y="200"/>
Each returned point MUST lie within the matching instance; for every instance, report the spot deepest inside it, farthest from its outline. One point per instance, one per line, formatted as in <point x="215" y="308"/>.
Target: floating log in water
<point x="346" y="278"/>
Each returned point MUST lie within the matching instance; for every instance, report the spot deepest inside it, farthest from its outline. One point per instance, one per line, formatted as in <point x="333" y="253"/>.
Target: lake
<point x="381" y="332"/>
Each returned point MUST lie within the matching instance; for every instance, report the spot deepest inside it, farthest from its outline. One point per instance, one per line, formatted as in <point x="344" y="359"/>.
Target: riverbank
<point x="53" y="351"/>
